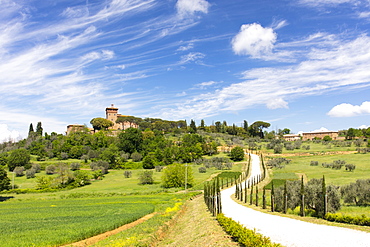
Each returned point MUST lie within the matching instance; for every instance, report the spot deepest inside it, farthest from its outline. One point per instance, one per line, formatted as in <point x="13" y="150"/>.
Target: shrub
<point x="362" y="220"/>
<point x="278" y="149"/>
<point x="237" y="154"/>
<point x="50" y="169"/>
<point x="350" y="167"/>
<point x="36" y="167"/>
<point x="146" y="177"/>
<point x="127" y="174"/>
<point x="136" y="157"/>
<point x="63" y="156"/>
<point x="19" y="171"/>
<point x="242" y="235"/>
<point x="158" y="168"/>
<point x="202" y="169"/>
<point x="30" y="173"/>
<point x="174" y="176"/>
<point x="100" y="165"/>
<point x="75" y="166"/>
<point x="314" y="163"/>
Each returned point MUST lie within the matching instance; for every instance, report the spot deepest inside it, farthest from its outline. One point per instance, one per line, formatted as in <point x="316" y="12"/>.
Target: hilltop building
<point x="305" y="136"/>
<point x="111" y="113"/>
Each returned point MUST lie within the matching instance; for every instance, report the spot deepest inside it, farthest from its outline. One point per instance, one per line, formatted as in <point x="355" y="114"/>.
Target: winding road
<point x="287" y="231"/>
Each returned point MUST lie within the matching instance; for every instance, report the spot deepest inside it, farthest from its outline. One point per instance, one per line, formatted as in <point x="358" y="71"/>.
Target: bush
<point x="36" y="167"/>
<point x="350" y="167"/>
<point x="127" y="174"/>
<point x="50" y="169"/>
<point x="278" y="149"/>
<point x="174" y="176"/>
<point x="314" y="163"/>
<point x="237" y="154"/>
<point x="30" y="173"/>
<point x="158" y="168"/>
<point x="362" y="220"/>
<point x="100" y="165"/>
<point x="136" y="157"/>
<point x="19" y="171"/>
<point x="146" y="177"/>
<point x="75" y="166"/>
<point x="242" y="235"/>
<point x="202" y="169"/>
<point x="63" y="156"/>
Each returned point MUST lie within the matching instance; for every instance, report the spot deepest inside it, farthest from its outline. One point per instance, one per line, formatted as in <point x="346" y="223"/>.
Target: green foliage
<point x="243" y="235"/>
<point x="237" y="154"/>
<point x="202" y="169"/>
<point x="146" y="177"/>
<point x="30" y="173"/>
<point x="100" y="165"/>
<point x="127" y="174"/>
<point x="357" y="193"/>
<point x="130" y="140"/>
<point x="50" y="169"/>
<point x="75" y="166"/>
<point x="19" y="157"/>
<point x="101" y="123"/>
<point x="174" y="176"/>
<point x="149" y="161"/>
<point x="4" y="180"/>
<point x="362" y="220"/>
<point x="136" y="156"/>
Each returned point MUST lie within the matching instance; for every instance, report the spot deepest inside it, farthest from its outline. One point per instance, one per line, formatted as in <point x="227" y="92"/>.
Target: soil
<point x="97" y="238"/>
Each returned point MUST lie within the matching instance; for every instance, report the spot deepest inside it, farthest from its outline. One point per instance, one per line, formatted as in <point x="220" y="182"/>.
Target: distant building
<point x="111" y="113"/>
<point x="305" y="136"/>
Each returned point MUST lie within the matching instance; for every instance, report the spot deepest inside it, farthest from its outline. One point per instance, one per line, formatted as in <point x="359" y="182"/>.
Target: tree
<point x="19" y="157"/>
<point x="176" y="174"/>
<point x="202" y="125"/>
<point x="31" y="131"/>
<point x="4" y="180"/>
<point x="39" y="129"/>
<point x="130" y="140"/>
<point x="245" y="125"/>
<point x="146" y="177"/>
<point x="192" y="127"/>
<point x="237" y="154"/>
<point x="357" y="193"/>
<point x="101" y="123"/>
<point x="256" y="129"/>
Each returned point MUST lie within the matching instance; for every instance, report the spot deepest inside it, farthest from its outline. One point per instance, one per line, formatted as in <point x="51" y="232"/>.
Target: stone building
<point x="305" y="136"/>
<point x="111" y="113"/>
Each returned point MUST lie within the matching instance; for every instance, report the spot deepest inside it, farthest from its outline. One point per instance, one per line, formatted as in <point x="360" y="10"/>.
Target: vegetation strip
<point x="97" y="238"/>
<point x="242" y="235"/>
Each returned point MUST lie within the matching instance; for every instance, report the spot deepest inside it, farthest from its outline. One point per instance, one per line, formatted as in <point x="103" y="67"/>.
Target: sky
<point x="297" y="64"/>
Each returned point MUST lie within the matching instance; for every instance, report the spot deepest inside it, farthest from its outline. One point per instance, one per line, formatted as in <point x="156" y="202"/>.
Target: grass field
<point x="314" y="148"/>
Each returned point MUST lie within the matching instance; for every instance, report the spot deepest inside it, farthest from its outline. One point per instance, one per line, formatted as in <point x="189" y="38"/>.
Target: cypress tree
<point x="264" y="198"/>
<point x="325" y="197"/>
<point x="39" y="129"/>
<point x="272" y="197"/>
<point x="302" y="198"/>
<point x="245" y="192"/>
<point x="251" y="196"/>
<point x="285" y="197"/>
<point x="31" y="131"/>
<point x="257" y="195"/>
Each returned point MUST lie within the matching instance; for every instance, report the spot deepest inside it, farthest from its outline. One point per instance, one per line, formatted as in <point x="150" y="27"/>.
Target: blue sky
<point x="302" y="64"/>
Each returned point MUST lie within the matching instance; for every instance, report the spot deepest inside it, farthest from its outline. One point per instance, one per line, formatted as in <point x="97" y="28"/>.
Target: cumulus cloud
<point x="8" y="135"/>
<point x="349" y="110"/>
<point x="254" y="40"/>
<point x="190" y="7"/>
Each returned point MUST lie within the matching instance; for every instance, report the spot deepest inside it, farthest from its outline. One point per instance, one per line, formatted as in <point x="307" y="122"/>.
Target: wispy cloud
<point x="186" y="8"/>
<point x="337" y="68"/>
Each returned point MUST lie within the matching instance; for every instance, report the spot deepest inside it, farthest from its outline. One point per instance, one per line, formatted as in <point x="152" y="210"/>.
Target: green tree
<point x="101" y="123"/>
<point x="237" y="154"/>
<point x="192" y="127"/>
<point x="31" y="131"/>
<point x="4" y="180"/>
<point x="256" y="129"/>
<point x="149" y="161"/>
<point x="130" y="140"/>
<point x="202" y="125"/>
<point x="146" y="177"/>
<point x="39" y="129"/>
<point x="19" y="157"/>
<point x="175" y="175"/>
<point x="357" y="193"/>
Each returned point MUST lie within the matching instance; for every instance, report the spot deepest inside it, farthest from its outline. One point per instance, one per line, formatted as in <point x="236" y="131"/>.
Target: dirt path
<point x="195" y="227"/>
<point x="287" y="231"/>
<point x="97" y="238"/>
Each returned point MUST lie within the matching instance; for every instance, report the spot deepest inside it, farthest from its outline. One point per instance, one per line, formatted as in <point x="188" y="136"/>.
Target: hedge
<point x="244" y="236"/>
<point x="362" y="220"/>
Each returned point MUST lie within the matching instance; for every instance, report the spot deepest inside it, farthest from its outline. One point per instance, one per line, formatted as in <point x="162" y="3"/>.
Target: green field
<point x="56" y="222"/>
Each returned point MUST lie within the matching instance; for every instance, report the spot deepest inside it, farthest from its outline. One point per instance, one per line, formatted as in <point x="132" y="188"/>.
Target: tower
<point x="111" y="113"/>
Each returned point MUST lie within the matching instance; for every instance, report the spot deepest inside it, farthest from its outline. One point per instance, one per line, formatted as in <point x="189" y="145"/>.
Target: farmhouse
<point x="111" y="113"/>
<point x="305" y="136"/>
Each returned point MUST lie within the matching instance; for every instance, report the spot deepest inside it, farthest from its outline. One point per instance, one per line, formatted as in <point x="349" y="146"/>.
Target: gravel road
<point x="286" y="231"/>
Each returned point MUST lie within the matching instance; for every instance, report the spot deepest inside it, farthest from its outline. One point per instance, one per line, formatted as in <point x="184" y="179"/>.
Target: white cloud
<point x="190" y="7"/>
<point x="322" y="129"/>
<point x="187" y="47"/>
<point x="348" y="110"/>
<point x="254" y="40"/>
<point x="364" y="126"/>
<point x="8" y="135"/>
<point x="339" y="66"/>
<point x="205" y="84"/>
<point x="364" y="15"/>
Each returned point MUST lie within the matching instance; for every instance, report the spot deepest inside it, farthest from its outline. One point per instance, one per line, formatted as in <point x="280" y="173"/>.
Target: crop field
<point x="55" y="222"/>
